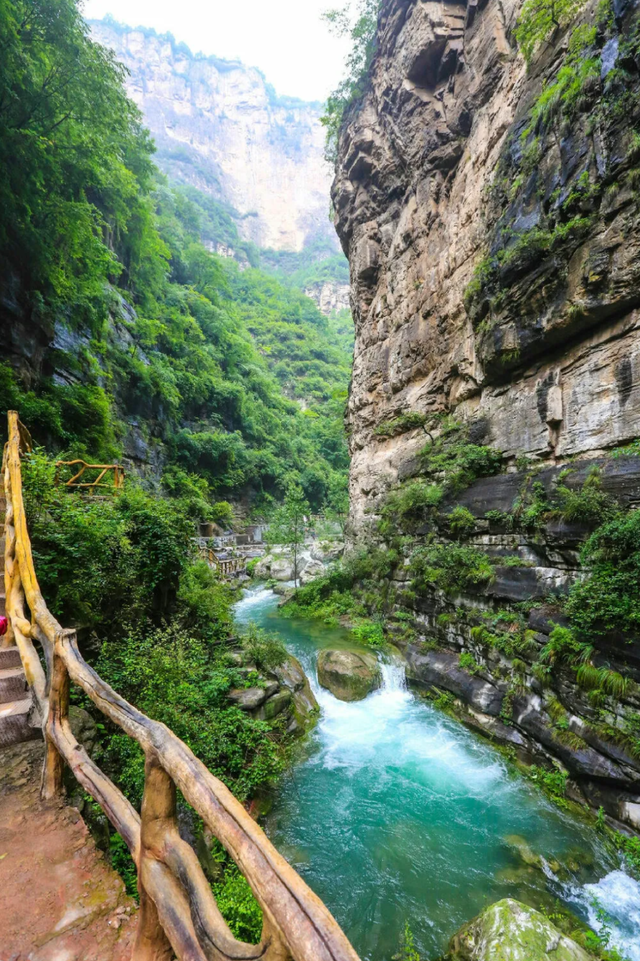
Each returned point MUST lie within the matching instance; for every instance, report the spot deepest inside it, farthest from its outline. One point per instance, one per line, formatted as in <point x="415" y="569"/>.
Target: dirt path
<point x="59" y="898"/>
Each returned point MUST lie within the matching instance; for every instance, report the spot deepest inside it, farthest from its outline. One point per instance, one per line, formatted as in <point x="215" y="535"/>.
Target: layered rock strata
<point x="443" y="169"/>
<point x="489" y="211"/>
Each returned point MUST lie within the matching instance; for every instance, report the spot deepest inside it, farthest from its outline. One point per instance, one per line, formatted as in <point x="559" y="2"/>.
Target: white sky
<point x="284" y="38"/>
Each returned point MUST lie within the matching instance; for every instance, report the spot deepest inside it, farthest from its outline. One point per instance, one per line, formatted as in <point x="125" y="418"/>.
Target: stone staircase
<point x="15" y="698"/>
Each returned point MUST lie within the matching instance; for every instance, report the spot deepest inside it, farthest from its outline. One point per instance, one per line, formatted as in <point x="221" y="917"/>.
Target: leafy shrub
<point x="369" y="633"/>
<point x="511" y="643"/>
<point x="400" y="424"/>
<point x="590" y="504"/>
<point x="540" y="20"/>
<point x="553" y="783"/>
<point x="461" y="521"/>
<point x="562" y="646"/>
<point x="238" y="906"/>
<point x="362" y="34"/>
<point x="449" y="567"/>
<point x="222" y="514"/>
<point x="630" y="847"/>
<point x="408" y="507"/>
<point x="266" y="651"/>
<point x="609" y="598"/>
<point x="340" y="592"/>
<point x="456" y="459"/>
<point x="468" y="663"/>
<point x="407" y="950"/>
<point x="203" y="604"/>
<point x="183" y="682"/>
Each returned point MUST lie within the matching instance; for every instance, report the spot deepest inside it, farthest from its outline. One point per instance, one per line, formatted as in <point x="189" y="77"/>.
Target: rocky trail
<point x="61" y="900"/>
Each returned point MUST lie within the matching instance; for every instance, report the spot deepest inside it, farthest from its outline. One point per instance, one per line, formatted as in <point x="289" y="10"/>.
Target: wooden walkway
<point x="60" y="899"/>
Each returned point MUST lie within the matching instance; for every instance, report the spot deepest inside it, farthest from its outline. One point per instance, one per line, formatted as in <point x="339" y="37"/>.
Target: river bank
<point x="397" y="814"/>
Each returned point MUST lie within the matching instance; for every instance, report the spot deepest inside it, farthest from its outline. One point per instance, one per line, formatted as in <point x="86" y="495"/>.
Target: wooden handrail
<point x="224" y="565"/>
<point x="178" y="913"/>
<point x="75" y="482"/>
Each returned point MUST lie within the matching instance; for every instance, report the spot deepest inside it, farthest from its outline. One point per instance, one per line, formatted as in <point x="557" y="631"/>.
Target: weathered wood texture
<point x="178" y="910"/>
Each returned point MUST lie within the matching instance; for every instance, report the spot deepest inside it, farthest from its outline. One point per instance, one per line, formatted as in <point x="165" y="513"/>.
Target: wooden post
<point x="9" y="552"/>
<point x="52" y="776"/>
<point x="158" y="816"/>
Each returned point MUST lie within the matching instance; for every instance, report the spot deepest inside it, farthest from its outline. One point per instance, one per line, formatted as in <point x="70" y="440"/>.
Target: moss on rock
<point x="511" y="931"/>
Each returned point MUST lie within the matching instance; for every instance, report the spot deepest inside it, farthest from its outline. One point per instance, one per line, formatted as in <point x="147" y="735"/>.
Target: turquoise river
<point x="398" y="814"/>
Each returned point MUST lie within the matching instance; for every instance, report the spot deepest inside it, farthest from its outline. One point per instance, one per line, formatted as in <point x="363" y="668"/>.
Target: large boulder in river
<point x="349" y="675"/>
<point x="511" y="931"/>
<point x="292" y="677"/>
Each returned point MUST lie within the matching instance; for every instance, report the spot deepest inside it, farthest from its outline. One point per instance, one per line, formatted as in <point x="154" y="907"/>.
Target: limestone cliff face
<point x="490" y="214"/>
<point x="438" y="177"/>
<point x="220" y="127"/>
<point x="329" y="296"/>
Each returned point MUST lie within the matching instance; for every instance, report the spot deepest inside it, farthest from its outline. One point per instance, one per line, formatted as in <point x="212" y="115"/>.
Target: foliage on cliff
<point x="158" y="345"/>
<point x="359" y="25"/>
<point x="547" y="203"/>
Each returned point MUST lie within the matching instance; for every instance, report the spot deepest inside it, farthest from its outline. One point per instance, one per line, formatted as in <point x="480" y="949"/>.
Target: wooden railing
<point x="115" y="482"/>
<point x="178" y="913"/>
<point x="224" y="565"/>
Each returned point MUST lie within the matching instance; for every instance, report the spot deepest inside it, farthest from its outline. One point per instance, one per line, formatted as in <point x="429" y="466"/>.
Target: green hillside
<point x="229" y="383"/>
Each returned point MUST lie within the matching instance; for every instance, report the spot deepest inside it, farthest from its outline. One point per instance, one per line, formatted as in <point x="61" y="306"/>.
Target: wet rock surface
<point x="283" y="691"/>
<point x="512" y="931"/>
<point x="349" y="675"/>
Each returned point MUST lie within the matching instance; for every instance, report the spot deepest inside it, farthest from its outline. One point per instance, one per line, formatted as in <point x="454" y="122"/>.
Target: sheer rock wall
<point x="429" y="180"/>
<point x="494" y="256"/>
<point x="220" y="127"/>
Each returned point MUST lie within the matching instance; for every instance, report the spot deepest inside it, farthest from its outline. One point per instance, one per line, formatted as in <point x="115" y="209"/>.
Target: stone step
<point x="13" y="684"/>
<point x="3" y="607"/>
<point x="9" y="657"/>
<point x="14" y="723"/>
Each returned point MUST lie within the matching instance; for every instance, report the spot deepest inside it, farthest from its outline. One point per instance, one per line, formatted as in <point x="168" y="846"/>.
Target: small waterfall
<point x="392" y="790"/>
<point x="616" y="897"/>
<point x="394" y="677"/>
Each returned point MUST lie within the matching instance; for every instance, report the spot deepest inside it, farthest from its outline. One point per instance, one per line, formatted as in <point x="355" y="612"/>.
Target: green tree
<point x="212" y="364"/>
<point x="75" y="163"/>
<point x="358" y="22"/>
<point x="288" y="524"/>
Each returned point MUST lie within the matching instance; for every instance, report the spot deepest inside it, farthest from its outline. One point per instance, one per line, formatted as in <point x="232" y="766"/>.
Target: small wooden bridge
<point x="178" y="914"/>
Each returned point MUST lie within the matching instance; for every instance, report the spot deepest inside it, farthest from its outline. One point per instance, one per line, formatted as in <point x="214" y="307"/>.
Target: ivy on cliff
<point x="540" y="20"/>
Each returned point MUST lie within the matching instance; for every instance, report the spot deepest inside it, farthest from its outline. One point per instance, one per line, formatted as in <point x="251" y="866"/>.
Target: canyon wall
<point x="489" y="211"/>
<point x="220" y="127"/>
<point x="433" y="177"/>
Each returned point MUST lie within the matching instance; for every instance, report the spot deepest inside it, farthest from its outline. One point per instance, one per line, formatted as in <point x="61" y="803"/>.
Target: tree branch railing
<point x="178" y="913"/>
<point x="75" y="482"/>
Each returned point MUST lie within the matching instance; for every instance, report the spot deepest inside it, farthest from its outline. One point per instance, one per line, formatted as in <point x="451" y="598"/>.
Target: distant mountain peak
<point x="221" y="127"/>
